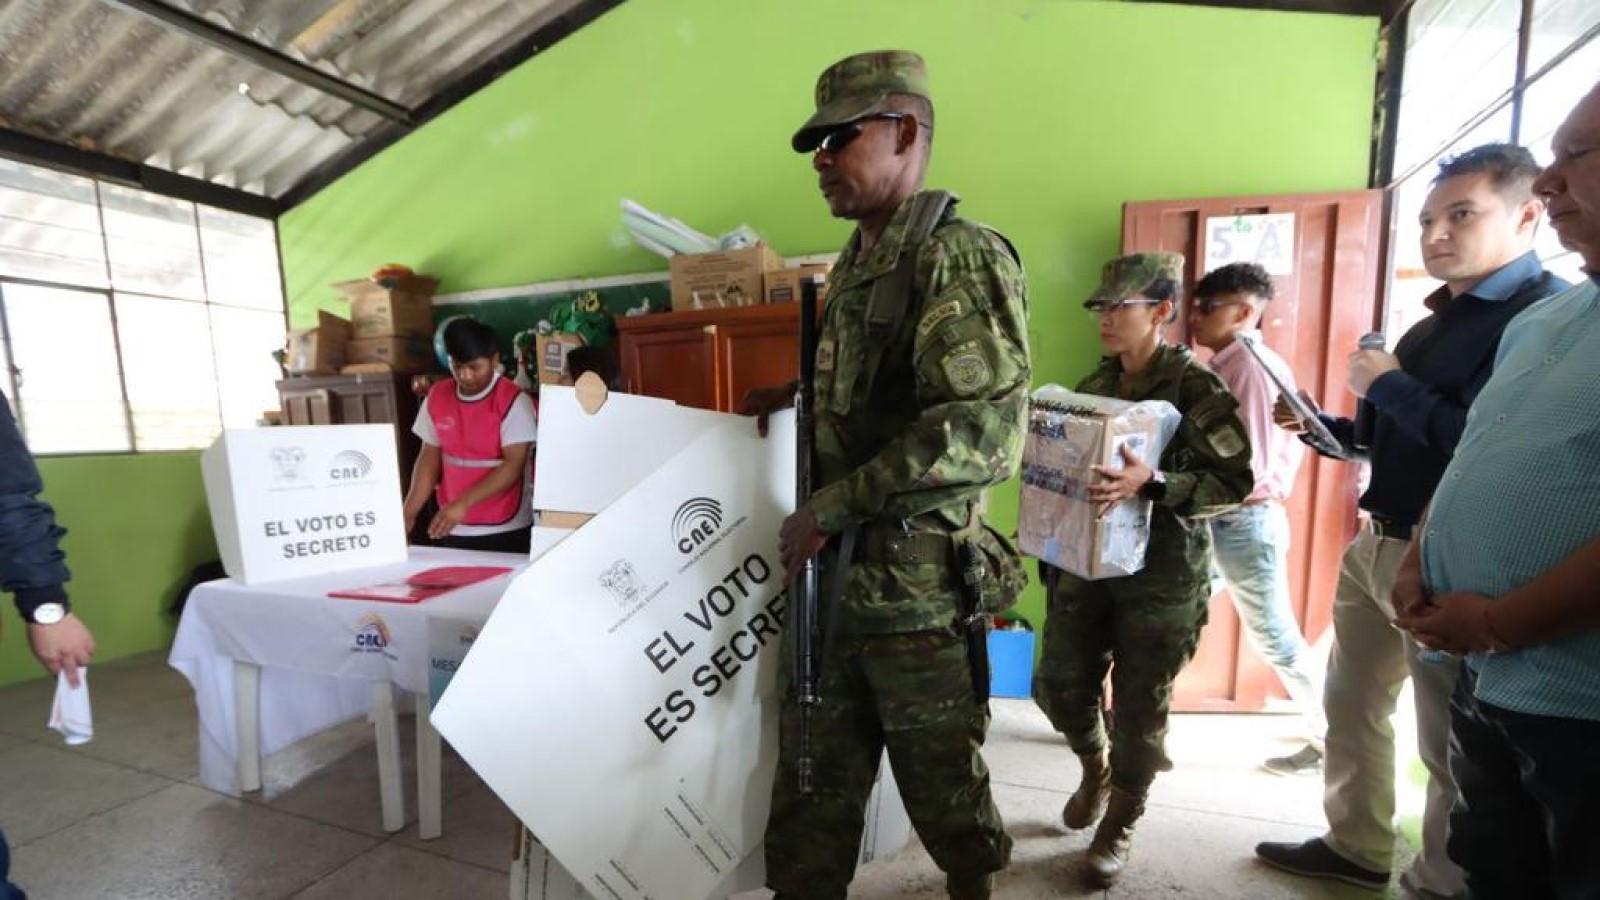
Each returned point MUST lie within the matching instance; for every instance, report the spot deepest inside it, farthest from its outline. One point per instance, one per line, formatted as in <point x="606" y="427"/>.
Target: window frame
<point x="109" y="290"/>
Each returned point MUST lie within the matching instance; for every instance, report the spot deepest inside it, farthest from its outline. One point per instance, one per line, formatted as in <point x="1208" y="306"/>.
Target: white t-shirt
<point x="520" y="426"/>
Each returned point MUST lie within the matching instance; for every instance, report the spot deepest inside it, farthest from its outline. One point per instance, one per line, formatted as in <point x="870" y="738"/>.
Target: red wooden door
<point x="1322" y="307"/>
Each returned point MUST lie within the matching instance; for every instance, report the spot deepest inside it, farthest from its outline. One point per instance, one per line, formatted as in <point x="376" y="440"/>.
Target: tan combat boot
<point x="969" y="887"/>
<point x="1086" y="802"/>
<point x="1108" y="853"/>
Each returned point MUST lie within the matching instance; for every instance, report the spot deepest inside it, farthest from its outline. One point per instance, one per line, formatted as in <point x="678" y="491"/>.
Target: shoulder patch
<point x="966" y="369"/>
<point x="1226" y="440"/>
<point x="937" y="316"/>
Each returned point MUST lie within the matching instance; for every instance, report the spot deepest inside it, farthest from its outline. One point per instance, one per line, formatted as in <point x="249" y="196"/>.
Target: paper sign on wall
<point x="300" y="501"/>
<point x="1267" y="240"/>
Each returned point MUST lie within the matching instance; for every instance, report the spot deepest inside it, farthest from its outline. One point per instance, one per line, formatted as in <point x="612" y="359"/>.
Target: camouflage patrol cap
<point x="1131" y="275"/>
<point x="858" y="86"/>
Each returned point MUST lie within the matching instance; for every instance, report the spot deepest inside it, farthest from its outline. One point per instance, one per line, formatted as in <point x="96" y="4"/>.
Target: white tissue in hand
<point x="70" y="713"/>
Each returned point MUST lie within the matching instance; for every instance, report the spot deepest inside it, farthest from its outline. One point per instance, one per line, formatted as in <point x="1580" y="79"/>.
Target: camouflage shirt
<point x="1207" y="463"/>
<point x="911" y="447"/>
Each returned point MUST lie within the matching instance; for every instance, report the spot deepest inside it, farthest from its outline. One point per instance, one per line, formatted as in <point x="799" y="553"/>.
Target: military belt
<point x="917" y="548"/>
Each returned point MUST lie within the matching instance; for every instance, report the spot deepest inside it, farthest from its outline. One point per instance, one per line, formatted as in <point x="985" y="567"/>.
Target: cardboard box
<point x="783" y="285"/>
<point x="552" y="350"/>
<point x="405" y="309"/>
<point x="722" y="279"/>
<point x="320" y="350"/>
<point x="1068" y="434"/>
<point x="402" y="354"/>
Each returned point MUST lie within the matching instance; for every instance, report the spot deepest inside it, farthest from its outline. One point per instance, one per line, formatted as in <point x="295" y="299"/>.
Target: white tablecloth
<point x="318" y="654"/>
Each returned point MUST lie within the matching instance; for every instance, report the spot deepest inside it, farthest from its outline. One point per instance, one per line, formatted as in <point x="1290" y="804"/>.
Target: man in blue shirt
<point x="1478" y="225"/>
<point x="32" y="568"/>
<point x="1507" y="574"/>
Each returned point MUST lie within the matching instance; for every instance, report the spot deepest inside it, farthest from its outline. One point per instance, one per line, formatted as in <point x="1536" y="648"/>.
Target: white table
<point x="276" y="663"/>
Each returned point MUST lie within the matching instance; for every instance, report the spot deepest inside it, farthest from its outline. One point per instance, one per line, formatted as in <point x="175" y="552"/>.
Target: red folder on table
<point x="424" y="585"/>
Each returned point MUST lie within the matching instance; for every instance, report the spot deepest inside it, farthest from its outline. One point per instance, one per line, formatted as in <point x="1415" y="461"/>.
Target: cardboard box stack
<point x="1068" y="434"/>
<point x="391" y="326"/>
<point x="320" y="350"/>
<point x="721" y="279"/>
<point x="783" y="285"/>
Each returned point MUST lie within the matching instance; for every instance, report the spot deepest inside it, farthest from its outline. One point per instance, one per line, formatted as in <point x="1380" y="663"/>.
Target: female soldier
<point x="1143" y="627"/>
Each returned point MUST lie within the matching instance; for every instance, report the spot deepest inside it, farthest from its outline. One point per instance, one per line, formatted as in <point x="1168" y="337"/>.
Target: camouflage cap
<point x="858" y="86"/>
<point x="1131" y="275"/>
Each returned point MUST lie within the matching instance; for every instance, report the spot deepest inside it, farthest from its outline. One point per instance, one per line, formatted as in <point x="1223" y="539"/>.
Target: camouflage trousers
<point x="1141" y="629"/>
<point x="911" y="693"/>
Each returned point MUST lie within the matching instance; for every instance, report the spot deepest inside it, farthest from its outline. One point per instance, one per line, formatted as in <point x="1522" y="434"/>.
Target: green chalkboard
<point x="512" y="314"/>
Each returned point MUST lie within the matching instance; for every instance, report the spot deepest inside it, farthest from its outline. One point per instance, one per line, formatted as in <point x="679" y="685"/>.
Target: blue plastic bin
<point x="1011" y="663"/>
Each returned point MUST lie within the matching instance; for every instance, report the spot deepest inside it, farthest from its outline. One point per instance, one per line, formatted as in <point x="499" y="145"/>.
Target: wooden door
<point x="678" y="364"/>
<point x="1322" y="307"/>
<point x="709" y="358"/>
<point x="757" y="353"/>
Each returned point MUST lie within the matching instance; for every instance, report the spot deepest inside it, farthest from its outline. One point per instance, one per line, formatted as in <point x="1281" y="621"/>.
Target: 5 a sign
<point x="1267" y="240"/>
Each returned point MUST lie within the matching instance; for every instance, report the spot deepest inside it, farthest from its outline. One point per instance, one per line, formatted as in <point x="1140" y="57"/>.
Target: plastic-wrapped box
<point x="1068" y="434"/>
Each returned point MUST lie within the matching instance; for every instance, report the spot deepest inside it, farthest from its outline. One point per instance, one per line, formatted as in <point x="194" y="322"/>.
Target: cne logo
<point x="695" y="522"/>
<point x="372" y="634"/>
<point x="350" y="465"/>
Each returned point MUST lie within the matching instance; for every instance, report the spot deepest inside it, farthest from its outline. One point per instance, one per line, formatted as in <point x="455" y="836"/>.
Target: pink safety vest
<point x="469" y="447"/>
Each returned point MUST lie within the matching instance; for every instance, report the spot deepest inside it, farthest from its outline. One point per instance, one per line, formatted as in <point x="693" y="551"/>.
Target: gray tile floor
<point x="125" y="818"/>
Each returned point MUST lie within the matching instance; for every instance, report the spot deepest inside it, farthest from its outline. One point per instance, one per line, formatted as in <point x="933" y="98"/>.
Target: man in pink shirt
<point x="1250" y="545"/>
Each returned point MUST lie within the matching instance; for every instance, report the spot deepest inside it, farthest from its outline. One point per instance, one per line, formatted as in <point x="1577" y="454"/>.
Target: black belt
<point x="1389" y="528"/>
<point x="884" y="545"/>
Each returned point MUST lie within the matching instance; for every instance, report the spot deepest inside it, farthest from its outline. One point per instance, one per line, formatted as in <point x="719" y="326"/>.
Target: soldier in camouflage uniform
<point x="1143" y="627"/>
<point x="922" y="376"/>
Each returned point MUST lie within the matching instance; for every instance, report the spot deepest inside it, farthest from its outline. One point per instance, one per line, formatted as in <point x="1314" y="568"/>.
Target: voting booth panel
<point x="298" y="501"/>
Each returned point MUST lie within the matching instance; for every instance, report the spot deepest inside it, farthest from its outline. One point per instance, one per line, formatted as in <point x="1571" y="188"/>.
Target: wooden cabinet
<point x="709" y="359"/>
<point x="365" y="399"/>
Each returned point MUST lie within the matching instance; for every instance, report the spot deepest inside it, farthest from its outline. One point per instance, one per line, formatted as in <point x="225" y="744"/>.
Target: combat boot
<point x="1084" y="806"/>
<point x="969" y="887"/>
<point x="1108" y="853"/>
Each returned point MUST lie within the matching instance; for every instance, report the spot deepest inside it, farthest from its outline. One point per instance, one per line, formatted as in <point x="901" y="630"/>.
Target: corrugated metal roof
<point x="98" y="77"/>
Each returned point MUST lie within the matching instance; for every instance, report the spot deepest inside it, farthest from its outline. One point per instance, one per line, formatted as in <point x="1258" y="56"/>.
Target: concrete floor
<point x="125" y="818"/>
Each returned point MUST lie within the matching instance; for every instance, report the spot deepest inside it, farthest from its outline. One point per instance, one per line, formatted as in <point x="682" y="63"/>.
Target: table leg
<point x="387" y="726"/>
<point x="430" y="816"/>
<point x="247" y="711"/>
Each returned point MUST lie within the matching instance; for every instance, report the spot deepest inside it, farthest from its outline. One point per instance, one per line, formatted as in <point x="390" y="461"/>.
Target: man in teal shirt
<point x="1506" y="575"/>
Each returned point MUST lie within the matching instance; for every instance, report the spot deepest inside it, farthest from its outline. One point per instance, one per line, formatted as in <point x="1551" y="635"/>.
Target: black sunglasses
<point x="840" y="137"/>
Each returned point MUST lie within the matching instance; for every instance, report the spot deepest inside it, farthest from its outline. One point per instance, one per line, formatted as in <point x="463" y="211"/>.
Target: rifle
<point x="805" y="589"/>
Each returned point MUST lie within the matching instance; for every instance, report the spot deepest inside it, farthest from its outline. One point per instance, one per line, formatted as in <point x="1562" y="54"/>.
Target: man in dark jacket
<point x="33" y="568"/>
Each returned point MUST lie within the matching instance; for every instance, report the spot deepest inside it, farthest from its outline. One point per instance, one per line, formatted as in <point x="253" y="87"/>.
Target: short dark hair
<point x="589" y="358"/>
<point x="1162" y="290"/>
<point x="467" y="339"/>
<point x="1237" y="278"/>
<point x="1511" y="169"/>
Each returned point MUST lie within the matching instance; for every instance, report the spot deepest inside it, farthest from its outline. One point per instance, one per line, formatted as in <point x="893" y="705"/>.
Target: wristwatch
<point x="1156" y="488"/>
<point x="48" y="613"/>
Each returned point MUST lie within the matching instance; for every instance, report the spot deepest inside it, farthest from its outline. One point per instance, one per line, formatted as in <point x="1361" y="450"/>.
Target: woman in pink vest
<point x="477" y="436"/>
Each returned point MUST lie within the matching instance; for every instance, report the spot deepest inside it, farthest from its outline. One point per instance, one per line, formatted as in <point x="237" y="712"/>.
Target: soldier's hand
<point x="763" y="402"/>
<point x="1284" y="415"/>
<point x="798" y="540"/>
<point x="1117" y="485"/>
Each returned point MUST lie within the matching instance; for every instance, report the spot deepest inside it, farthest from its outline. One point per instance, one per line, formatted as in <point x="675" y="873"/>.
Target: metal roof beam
<point x="26" y="147"/>
<point x="266" y="57"/>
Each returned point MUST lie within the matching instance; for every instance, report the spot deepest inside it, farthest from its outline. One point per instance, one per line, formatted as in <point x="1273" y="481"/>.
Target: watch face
<point x="49" y="613"/>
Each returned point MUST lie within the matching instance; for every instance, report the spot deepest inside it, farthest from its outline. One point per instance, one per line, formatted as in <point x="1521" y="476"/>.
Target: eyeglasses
<point x="840" y="137"/>
<point x="1208" y="305"/>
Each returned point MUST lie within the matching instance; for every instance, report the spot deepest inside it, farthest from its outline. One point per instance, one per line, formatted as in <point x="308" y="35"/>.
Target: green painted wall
<point x="1051" y="114"/>
<point x="136" y="526"/>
